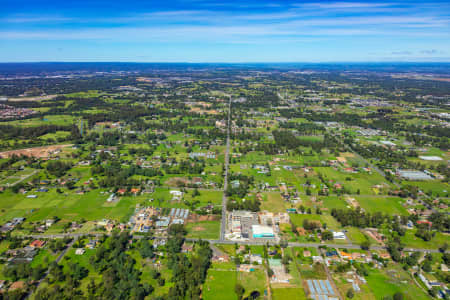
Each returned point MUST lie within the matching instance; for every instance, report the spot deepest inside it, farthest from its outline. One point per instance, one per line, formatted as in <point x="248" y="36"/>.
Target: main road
<point x="223" y="222"/>
<point x="250" y="243"/>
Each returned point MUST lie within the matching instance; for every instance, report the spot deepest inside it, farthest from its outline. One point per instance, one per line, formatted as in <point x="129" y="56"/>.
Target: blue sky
<point x="224" y="31"/>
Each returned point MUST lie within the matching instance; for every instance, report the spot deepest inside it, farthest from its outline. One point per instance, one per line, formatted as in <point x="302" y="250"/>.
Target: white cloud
<point x="345" y="5"/>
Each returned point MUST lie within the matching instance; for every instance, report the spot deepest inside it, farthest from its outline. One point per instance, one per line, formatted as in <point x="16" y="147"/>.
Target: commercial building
<point x="261" y="231"/>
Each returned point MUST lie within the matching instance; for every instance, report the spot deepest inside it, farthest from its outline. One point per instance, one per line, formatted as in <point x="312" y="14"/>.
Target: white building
<point x="338" y="235"/>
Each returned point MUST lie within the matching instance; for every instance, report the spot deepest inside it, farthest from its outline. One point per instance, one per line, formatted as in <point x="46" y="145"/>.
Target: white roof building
<point x="338" y="235"/>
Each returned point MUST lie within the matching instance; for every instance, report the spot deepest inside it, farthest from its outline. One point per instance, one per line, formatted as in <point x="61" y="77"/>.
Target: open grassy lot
<point x="203" y="230"/>
<point x="162" y="198"/>
<point x="67" y="206"/>
<point x="228" y="249"/>
<point x="331" y="202"/>
<point x="389" y="205"/>
<point x="219" y="285"/>
<point x="388" y="282"/>
<point x="46" y="120"/>
<point x="297" y="220"/>
<point x="359" y="181"/>
<point x="410" y="240"/>
<point x="313" y="271"/>
<point x="438" y="188"/>
<point x="55" y="136"/>
<point x="273" y="202"/>
<point x="355" y="235"/>
<point x="253" y="281"/>
<point x="288" y="293"/>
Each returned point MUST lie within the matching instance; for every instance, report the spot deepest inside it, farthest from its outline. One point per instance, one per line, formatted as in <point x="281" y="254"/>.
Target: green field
<point x="219" y="285"/>
<point x="67" y="206"/>
<point x="46" y="120"/>
<point x="387" y="283"/>
<point x="204" y="230"/>
<point x="288" y="293"/>
<point x="297" y="220"/>
<point x="389" y="205"/>
<point x="410" y="240"/>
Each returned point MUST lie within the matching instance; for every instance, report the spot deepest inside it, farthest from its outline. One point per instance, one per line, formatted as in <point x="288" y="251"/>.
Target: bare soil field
<point x="36" y="98"/>
<point x="39" y="152"/>
<point x="194" y="218"/>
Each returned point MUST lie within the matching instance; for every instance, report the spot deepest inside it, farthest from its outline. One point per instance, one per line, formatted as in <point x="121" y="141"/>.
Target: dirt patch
<point x="283" y="285"/>
<point x="177" y="181"/>
<point x="199" y="228"/>
<point x="194" y="218"/>
<point x="352" y="201"/>
<point x="36" y="98"/>
<point x="202" y="111"/>
<point x="39" y="152"/>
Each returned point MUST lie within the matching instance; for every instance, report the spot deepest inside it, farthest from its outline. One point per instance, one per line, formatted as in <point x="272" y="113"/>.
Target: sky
<point x="224" y="31"/>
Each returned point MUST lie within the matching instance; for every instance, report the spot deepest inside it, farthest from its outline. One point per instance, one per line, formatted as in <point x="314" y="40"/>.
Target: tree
<point x="177" y="229"/>
<point x="161" y="281"/>
<point x="427" y="266"/>
<point x="239" y="290"/>
<point x="327" y="235"/>
<point x="254" y="295"/>
<point x="365" y="245"/>
<point x="350" y="293"/>
<point x="398" y="296"/>
<point x="195" y="193"/>
<point x="146" y="250"/>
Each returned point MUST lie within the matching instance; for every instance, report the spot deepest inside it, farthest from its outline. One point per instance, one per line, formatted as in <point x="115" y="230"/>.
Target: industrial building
<point x="413" y="175"/>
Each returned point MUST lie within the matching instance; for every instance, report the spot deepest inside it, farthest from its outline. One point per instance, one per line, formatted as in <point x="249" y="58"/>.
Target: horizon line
<point x="228" y="62"/>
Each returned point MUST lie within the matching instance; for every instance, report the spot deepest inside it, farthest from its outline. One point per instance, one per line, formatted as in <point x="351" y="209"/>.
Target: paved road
<point x="251" y="243"/>
<point x="223" y="222"/>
